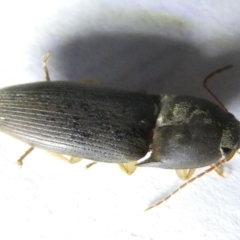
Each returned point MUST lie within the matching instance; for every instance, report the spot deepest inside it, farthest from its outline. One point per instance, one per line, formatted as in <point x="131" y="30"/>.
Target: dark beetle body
<point x="79" y="120"/>
<point x="115" y="126"/>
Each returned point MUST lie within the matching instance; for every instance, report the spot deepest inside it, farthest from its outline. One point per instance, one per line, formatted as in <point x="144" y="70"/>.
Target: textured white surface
<point x="159" y="46"/>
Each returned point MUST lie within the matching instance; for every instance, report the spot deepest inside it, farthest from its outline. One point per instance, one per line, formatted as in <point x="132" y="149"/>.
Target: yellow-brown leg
<point x="90" y="165"/>
<point x="185" y="174"/>
<point x="20" y="160"/>
<point x="128" y="168"/>
<point x="219" y="172"/>
<point x="45" y="67"/>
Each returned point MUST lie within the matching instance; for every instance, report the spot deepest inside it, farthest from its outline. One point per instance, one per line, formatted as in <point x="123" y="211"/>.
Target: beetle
<point x="117" y="126"/>
<point x="109" y="125"/>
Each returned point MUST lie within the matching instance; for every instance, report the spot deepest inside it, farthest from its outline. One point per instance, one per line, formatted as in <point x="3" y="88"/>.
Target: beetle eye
<point x="226" y="151"/>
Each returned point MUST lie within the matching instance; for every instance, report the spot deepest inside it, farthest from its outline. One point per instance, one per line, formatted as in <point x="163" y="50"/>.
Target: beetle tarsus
<point x="20" y="160"/>
<point x="90" y="165"/>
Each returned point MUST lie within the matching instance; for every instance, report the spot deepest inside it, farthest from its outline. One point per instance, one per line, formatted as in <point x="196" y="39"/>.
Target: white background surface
<point x="159" y="46"/>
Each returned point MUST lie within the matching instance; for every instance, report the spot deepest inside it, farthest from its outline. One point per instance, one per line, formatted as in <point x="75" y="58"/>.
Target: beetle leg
<point x="219" y="172"/>
<point x="65" y="158"/>
<point x="90" y="164"/>
<point x="185" y="174"/>
<point x="74" y="159"/>
<point x="128" y="168"/>
<point x="20" y="160"/>
<point x="45" y="68"/>
<point x="77" y="159"/>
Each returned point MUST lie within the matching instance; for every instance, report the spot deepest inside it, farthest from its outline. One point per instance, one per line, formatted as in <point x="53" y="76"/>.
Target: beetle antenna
<point x="209" y="90"/>
<point x="213" y="167"/>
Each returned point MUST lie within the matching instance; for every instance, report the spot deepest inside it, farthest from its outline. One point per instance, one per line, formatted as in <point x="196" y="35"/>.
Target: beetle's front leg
<point x="129" y="167"/>
<point x="185" y="174"/>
